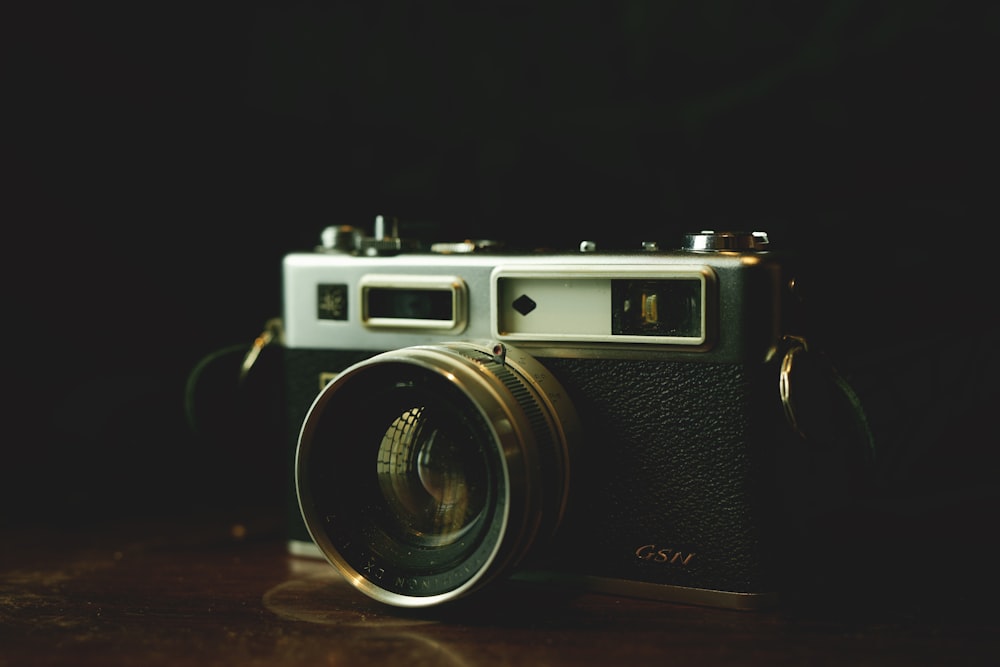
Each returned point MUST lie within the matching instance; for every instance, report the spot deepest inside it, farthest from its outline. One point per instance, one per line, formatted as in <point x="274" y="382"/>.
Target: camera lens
<point x="427" y="472"/>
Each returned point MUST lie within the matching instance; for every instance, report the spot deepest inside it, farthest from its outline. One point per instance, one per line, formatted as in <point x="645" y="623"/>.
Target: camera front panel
<point x="669" y="486"/>
<point x="697" y="307"/>
<point x="671" y="482"/>
<point x="673" y="485"/>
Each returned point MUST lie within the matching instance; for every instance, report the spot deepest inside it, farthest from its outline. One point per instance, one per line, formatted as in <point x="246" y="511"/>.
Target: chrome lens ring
<point x="426" y="472"/>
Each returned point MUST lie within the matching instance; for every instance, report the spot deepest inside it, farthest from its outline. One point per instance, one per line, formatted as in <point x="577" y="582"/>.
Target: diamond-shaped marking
<point x="523" y="304"/>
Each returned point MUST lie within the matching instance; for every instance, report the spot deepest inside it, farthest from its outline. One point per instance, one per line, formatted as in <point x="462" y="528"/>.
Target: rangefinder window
<point x="414" y="302"/>
<point x="656" y="308"/>
<point x="618" y="305"/>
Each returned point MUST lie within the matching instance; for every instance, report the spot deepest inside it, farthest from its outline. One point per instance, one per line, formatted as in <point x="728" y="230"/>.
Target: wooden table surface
<point x="220" y="589"/>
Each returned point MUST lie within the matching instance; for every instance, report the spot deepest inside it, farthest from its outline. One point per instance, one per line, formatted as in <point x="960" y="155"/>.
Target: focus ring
<point x="522" y="394"/>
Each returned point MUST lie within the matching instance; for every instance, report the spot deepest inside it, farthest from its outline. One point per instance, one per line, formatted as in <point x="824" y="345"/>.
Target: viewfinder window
<point x="410" y="304"/>
<point x="414" y="302"/>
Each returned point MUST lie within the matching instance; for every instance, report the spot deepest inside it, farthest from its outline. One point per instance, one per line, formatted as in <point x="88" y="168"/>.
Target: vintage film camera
<point x="618" y="421"/>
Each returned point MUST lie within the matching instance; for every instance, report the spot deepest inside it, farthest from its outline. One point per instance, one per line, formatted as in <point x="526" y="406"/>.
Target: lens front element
<point x="425" y="473"/>
<point x="433" y="479"/>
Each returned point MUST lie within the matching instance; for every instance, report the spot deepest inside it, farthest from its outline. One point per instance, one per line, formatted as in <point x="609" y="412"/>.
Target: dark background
<point x="160" y="160"/>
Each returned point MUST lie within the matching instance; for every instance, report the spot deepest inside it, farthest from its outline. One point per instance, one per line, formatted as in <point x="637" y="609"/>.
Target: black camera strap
<point x="803" y="371"/>
<point x="233" y="391"/>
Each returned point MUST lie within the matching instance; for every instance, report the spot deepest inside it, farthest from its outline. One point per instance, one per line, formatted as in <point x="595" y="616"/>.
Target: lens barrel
<point x="427" y="472"/>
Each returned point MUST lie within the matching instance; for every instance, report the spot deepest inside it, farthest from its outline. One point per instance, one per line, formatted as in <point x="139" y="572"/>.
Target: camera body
<point x="611" y="420"/>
